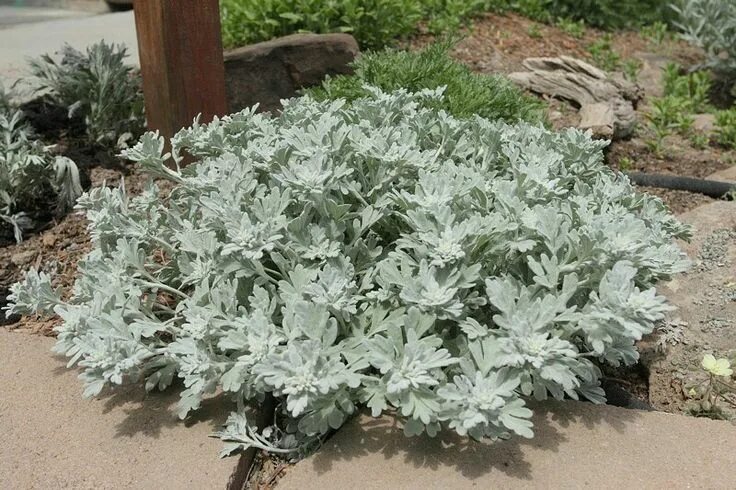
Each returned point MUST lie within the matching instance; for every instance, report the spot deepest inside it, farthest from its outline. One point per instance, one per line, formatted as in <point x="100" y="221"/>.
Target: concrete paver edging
<point x="53" y="438"/>
<point x="576" y="445"/>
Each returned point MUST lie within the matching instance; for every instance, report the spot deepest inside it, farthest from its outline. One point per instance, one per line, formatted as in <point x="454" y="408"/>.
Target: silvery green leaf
<point x="379" y="253"/>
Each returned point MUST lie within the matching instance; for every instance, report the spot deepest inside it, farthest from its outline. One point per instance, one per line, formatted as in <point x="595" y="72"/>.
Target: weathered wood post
<point x="182" y="63"/>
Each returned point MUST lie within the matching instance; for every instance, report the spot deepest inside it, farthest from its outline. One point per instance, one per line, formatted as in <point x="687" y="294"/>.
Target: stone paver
<point x="726" y="175"/>
<point x="21" y="42"/>
<point x="577" y="445"/>
<point x="53" y="438"/>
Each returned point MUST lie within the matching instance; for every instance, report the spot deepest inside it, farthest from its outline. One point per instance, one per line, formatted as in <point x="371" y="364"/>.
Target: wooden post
<point x="182" y="64"/>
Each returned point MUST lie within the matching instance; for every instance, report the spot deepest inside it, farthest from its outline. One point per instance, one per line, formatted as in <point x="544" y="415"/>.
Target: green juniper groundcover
<point x="466" y="94"/>
<point x="380" y="254"/>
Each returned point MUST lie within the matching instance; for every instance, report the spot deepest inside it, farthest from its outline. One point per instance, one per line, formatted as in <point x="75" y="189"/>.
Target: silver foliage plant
<point x="711" y="25"/>
<point x="30" y="175"/>
<point x="379" y="254"/>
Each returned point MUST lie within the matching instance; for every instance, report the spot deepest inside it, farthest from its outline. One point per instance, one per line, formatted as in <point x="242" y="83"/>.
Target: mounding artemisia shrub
<point x="95" y="87"/>
<point x="380" y="254"/>
<point x="711" y="25"/>
<point x="466" y="94"/>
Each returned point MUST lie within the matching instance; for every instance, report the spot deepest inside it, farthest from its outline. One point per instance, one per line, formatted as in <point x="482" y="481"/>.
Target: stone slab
<point x="577" y="445"/>
<point x="726" y="175"/>
<point x="267" y="72"/>
<point x="53" y="438"/>
<point x="20" y="42"/>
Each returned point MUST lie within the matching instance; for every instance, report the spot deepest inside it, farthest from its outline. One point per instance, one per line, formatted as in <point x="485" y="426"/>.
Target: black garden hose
<point x="712" y="188"/>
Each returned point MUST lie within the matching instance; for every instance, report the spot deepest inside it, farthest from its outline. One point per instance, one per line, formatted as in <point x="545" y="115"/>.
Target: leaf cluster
<point x="685" y="94"/>
<point x="605" y="14"/>
<point x="380" y="254"/>
<point x="466" y="93"/>
<point x="711" y="25"/>
<point x="96" y="86"/>
<point x="30" y="176"/>
<point x="726" y="128"/>
<point x="375" y="24"/>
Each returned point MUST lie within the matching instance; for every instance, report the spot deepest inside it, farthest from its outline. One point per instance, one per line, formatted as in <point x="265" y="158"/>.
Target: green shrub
<point x="684" y="95"/>
<point x="466" y="93"/>
<point x="657" y="33"/>
<point x="30" y="177"/>
<point x="574" y="28"/>
<point x="671" y="113"/>
<point x="381" y="254"/>
<point x="692" y="88"/>
<point x="607" y="14"/>
<point x="726" y="128"/>
<point x="603" y="55"/>
<point x="444" y="16"/>
<point x="711" y="25"/>
<point x="374" y="23"/>
<point x="96" y="86"/>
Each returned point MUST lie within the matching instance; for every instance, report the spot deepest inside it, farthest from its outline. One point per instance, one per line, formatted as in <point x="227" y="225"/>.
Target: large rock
<point x="576" y="445"/>
<point x="273" y="70"/>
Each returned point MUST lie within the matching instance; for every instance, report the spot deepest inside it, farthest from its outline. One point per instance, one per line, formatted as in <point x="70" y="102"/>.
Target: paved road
<point x="13" y="16"/>
<point x="79" y="29"/>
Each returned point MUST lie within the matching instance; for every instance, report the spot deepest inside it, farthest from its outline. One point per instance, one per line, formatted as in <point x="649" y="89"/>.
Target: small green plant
<point x="574" y="28"/>
<point x="685" y="94"/>
<point x="466" y="93"/>
<point x="603" y="55"/>
<point x="656" y="143"/>
<point x="31" y="178"/>
<point x="671" y="113"/>
<point x="726" y="128"/>
<point x="625" y="164"/>
<point x="699" y="141"/>
<point x="692" y="88"/>
<point x="711" y="391"/>
<point x="374" y="23"/>
<point x="631" y="68"/>
<point x="534" y="32"/>
<point x="96" y="86"/>
<point x="446" y="16"/>
<point x="657" y="33"/>
<point x="606" y="14"/>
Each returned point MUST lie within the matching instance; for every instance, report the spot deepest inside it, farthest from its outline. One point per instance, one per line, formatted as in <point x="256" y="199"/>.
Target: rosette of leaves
<point x="381" y="254"/>
<point x="31" y="178"/>
<point x="97" y="87"/>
